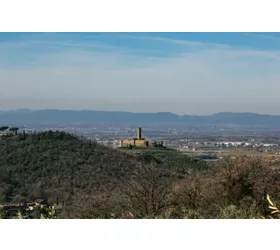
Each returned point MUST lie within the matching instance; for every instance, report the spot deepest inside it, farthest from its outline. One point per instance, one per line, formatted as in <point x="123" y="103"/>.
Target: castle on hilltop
<point x="139" y="141"/>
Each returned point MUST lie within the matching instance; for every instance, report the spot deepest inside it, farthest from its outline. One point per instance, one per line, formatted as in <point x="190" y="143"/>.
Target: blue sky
<point x="184" y="73"/>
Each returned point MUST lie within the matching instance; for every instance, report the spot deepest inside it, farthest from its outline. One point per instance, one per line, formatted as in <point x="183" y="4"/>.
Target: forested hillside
<point x="57" y="165"/>
<point x="93" y="181"/>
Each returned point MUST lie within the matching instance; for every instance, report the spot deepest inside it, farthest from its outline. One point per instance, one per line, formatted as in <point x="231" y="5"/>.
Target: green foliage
<point x="172" y="160"/>
<point x="49" y="161"/>
<point x="51" y="212"/>
<point x="3" y="128"/>
<point x="51" y="165"/>
<point x="2" y="213"/>
<point x="19" y="215"/>
<point x="87" y="180"/>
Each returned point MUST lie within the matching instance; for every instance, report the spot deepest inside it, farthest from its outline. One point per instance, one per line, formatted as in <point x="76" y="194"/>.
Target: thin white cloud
<point x="264" y="36"/>
<point x="207" y="80"/>
<point x="177" y="41"/>
<point x="62" y="43"/>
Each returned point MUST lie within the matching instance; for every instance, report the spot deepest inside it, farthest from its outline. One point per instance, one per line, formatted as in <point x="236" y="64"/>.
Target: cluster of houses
<point x="12" y="210"/>
<point x="245" y="144"/>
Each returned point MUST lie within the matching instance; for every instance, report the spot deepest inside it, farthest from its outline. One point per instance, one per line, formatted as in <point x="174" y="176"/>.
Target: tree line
<point x="14" y="130"/>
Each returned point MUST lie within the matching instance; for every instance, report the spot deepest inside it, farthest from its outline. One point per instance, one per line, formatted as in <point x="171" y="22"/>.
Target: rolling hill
<point x="57" y="165"/>
<point x="63" y="117"/>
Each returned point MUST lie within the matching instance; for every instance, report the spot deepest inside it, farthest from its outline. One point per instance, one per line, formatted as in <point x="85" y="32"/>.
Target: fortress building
<point x="135" y="142"/>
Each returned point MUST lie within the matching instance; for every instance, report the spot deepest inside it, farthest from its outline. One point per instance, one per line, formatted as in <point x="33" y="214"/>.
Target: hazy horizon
<point x="182" y="73"/>
<point x="124" y="111"/>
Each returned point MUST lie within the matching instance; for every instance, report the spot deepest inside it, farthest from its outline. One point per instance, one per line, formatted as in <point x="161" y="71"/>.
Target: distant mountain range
<point x="63" y="117"/>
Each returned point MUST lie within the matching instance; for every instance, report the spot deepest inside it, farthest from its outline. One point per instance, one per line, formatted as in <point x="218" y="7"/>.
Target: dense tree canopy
<point x="94" y="181"/>
<point x="57" y="165"/>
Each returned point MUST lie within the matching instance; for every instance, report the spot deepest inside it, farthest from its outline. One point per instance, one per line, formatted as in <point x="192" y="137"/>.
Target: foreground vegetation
<point x="93" y="181"/>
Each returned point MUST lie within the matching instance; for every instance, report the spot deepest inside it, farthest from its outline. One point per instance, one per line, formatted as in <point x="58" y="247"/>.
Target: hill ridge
<point x="56" y="116"/>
